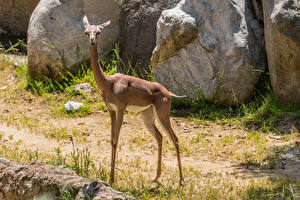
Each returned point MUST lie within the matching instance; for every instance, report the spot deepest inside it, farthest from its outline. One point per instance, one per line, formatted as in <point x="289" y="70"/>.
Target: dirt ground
<point x="136" y="145"/>
<point x="97" y="128"/>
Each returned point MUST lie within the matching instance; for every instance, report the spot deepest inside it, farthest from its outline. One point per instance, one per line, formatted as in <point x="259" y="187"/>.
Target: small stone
<point x="4" y="87"/>
<point x="206" y="139"/>
<point x="125" y="121"/>
<point x="72" y="106"/>
<point x="186" y="130"/>
<point x="83" y="88"/>
<point x="283" y="164"/>
<point x="180" y="124"/>
<point x="5" y="111"/>
<point x="277" y="137"/>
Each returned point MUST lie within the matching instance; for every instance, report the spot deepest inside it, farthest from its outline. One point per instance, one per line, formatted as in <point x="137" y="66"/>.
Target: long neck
<point x="99" y="75"/>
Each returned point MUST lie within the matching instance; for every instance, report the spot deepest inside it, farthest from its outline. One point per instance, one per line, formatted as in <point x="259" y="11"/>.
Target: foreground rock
<point x="14" y="16"/>
<point x="38" y="181"/>
<point x="138" y="20"/>
<point x="282" y="33"/>
<point x="210" y="48"/>
<point x="56" y="39"/>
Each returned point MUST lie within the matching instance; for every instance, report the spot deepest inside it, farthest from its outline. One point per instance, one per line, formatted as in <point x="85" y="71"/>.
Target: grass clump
<point x="66" y="193"/>
<point x="48" y="86"/>
<point x="262" y="113"/>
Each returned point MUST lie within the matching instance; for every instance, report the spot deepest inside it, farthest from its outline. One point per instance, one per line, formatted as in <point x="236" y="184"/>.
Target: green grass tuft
<point x="262" y="113"/>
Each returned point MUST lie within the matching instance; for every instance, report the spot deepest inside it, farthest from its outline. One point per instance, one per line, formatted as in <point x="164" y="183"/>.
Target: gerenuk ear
<point x="104" y="24"/>
<point x="85" y="21"/>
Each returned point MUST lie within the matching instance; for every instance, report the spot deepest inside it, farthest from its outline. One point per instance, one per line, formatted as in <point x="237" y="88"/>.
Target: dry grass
<point x="224" y="158"/>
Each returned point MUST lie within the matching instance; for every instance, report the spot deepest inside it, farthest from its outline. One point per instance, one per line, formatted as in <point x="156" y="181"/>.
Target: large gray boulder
<point x="282" y="33"/>
<point x="56" y="39"/>
<point x="39" y="181"/>
<point x="138" y="20"/>
<point x="14" y="16"/>
<point x="211" y="48"/>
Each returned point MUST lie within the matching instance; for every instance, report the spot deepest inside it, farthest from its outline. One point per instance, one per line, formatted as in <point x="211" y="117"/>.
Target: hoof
<point x="155" y="180"/>
<point x="181" y="182"/>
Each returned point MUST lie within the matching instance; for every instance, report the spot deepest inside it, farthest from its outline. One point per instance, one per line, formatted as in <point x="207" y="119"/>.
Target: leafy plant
<point x="81" y="161"/>
<point x="60" y="159"/>
<point x="66" y="193"/>
<point x="20" y="45"/>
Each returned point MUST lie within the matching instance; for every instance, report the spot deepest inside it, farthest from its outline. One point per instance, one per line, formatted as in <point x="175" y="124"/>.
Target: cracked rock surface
<point x="41" y="181"/>
<point x="211" y="48"/>
<point x="282" y="33"/>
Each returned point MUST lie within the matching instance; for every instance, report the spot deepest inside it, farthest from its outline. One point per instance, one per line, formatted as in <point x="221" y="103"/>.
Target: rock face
<point x="38" y="181"/>
<point x="138" y="20"/>
<point x="56" y="39"/>
<point x="15" y="14"/>
<point x="210" y="47"/>
<point x="282" y="33"/>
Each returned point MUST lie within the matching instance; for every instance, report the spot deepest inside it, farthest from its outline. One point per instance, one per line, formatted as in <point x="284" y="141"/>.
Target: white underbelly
<point x="112" y="107"/>
<point x="130" y="108"/>
<point x="137" y="108"/>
